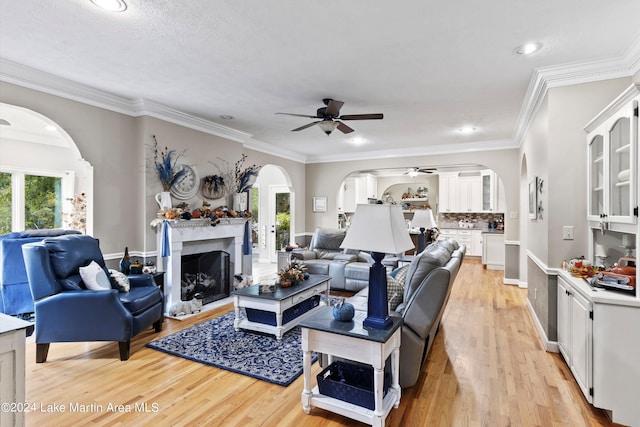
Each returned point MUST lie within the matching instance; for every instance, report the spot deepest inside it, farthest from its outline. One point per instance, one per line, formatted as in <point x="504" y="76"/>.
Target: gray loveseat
<point x="349" y="269"/>
<point x="427" y="287"/>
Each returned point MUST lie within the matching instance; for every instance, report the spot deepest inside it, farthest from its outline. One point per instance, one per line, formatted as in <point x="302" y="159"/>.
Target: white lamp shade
<point x="423" y="218"/>
<point x="328" y="126"/>
<point x="601" y="251"/>
<point x="378" y="228"/>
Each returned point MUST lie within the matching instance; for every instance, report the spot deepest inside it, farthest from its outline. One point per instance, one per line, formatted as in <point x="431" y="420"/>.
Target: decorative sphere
<point x="344" y="313"/>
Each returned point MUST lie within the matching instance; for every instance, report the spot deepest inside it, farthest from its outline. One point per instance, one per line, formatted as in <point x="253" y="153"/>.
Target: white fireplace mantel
<point x="193" y="237"/>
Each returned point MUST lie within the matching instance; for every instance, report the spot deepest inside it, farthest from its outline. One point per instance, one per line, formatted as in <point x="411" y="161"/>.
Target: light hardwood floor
<point x="486" y="368"/>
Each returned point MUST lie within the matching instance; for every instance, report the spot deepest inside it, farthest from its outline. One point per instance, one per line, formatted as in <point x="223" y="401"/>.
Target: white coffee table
<point x="282" y="309"/>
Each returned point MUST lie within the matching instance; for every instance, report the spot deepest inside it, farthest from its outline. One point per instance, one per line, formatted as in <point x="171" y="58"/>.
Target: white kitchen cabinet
<point x="471" y="239"/>
<point x="612" y="162"/>
<point x="575" y="335"/>
<point x="493" y="251"/>
<point x="356" y="190"/>
<point x="470" y="193"/>
<point x="448" y="192"/>
<point x="597" y="336"/>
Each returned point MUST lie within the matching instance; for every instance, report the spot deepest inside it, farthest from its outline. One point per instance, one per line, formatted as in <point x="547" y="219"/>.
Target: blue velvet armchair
<point x="66" y="311"/>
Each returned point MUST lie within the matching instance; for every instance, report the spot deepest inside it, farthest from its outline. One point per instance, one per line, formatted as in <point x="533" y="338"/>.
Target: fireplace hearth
<point x="206" y="276"/>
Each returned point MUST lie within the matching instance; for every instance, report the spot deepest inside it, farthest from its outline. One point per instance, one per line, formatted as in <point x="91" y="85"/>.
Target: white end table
<point x="350" y="340"/>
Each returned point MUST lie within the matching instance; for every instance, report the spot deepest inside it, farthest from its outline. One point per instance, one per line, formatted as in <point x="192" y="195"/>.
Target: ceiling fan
<point x="413" y="172"/>
<point x="330" y="116"/>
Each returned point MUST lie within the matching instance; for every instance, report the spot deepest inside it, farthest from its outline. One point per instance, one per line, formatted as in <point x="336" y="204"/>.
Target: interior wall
<point x="118" y="147"/>
<point x="535" y="148"/>
<point x="570" y="109"/>
<point x="107" y="140"/>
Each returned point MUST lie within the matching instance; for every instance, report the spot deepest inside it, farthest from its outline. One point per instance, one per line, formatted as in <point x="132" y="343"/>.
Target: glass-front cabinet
<point x="612" y="156"/>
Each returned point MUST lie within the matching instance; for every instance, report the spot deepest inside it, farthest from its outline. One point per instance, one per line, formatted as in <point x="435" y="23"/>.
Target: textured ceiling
<point x="430" y="66"/>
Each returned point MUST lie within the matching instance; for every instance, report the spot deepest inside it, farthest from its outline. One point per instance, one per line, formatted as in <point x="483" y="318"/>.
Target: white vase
<point x="240" y="202"/>
<point x="164" y="200"/>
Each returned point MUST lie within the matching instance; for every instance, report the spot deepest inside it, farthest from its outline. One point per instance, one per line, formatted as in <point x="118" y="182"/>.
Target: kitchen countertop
<point x="492" y="231"/>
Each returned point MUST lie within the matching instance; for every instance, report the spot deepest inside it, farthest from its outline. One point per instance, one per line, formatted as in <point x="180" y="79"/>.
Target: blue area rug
<point x="216" y="343"/>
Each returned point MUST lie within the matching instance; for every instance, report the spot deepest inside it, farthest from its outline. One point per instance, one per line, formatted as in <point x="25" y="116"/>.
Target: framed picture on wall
<point x="319" y="204"/>
<point x="533" y="198"/>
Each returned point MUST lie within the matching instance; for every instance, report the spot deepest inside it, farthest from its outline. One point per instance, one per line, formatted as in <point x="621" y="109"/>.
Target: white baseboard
<point x="550" y="346"/>
<point x="508" y="281"/>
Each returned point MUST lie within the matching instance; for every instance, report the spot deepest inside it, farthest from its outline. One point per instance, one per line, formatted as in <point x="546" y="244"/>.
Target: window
<point x="32" y="199"/>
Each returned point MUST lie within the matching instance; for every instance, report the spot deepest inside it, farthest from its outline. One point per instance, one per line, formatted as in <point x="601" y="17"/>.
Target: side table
<point x="352" y="341"/>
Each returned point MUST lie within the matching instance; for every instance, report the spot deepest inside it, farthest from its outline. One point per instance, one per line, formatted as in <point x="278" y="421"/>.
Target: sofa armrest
<point x="426" y="304"/>
<point x="303" y="255"/>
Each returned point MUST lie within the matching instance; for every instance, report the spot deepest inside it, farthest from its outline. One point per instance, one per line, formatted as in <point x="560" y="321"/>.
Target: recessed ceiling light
<point x="358" y="140"/>
<point x="467" y="130"/>
<point x="226" y="117"/>
<point x="527" y="48"/>
<point x="4" y="122"/>
<point x="111" y="5"/>
<point x="51" y="128"/>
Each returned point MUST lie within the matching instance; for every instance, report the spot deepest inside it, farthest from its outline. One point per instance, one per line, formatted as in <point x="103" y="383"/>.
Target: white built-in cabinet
<point x="356" y="190"/>
<point x="598" y="329"/>
<point x="612" y="164"/>
<point x="598" y="338"/>
<point x="493" y="250"/>
<point x="468" y="191"/>
<point x="574" y="335"/>
<point x="471" y="239"/>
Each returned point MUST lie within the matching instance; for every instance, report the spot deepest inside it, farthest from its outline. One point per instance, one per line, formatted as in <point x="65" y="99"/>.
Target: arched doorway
<point x="272" y="198"/>
<point x="38" y="159"/>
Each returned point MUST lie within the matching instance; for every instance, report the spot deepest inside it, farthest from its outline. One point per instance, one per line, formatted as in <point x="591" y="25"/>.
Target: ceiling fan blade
<point x="344" y="128"/>
<point x="333" y="108"/>
<point x="304" y="127"/>
<point x="361" y="117"/>
<point x="299" y="115"/>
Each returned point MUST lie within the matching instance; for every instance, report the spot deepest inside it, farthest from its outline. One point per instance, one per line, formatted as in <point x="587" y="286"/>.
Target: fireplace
<point x="198" y="237"/>
<point x="206" y="276"/>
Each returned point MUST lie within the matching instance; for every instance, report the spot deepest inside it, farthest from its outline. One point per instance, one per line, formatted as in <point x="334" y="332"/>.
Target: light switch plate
<point x="567" y="232"/>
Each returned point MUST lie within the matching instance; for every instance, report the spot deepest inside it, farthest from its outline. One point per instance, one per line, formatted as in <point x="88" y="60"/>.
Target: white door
<point x="280" y="220"/>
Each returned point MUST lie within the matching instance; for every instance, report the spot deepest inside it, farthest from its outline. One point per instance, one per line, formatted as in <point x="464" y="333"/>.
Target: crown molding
<point x="146" y="107"/>
<point x="569" y="74"/>
<point x="41" y="81"/>
<point x="469" y="147"/>
<point x="264" y="147"/>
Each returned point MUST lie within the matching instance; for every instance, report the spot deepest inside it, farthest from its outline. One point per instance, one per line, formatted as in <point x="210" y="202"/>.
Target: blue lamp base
<point x="422" y="240"/>
<point x="377" y="302"/>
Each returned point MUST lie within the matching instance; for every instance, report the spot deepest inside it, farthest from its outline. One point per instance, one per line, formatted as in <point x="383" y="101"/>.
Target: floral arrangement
<point x="292" y="274"/>
<point x="245" y="177"/>
<point x="240" y="179"/>
<point x="165" y="165"/>
<point x="77" y="218"/>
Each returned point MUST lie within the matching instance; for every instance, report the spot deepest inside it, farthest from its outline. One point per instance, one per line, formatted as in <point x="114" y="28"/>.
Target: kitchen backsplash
<point x="479" y="220"/>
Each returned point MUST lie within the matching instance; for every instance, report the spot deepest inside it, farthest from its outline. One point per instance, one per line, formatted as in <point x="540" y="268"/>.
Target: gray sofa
<point x="427" y="287"/>
<point x="349" y="269"/>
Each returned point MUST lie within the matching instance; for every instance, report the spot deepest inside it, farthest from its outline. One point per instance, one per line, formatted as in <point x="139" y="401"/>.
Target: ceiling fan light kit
<point x="330" y="117"/>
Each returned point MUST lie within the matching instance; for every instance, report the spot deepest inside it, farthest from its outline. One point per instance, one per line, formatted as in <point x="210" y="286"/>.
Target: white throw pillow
<point x="121" y="279"/>
<point x="95" y="278"/>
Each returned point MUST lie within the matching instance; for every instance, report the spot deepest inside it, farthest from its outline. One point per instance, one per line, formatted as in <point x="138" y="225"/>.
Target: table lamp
<point x="379" y="229"/>
<point x="423" y="219"/>
<point x="601" y="252"/>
